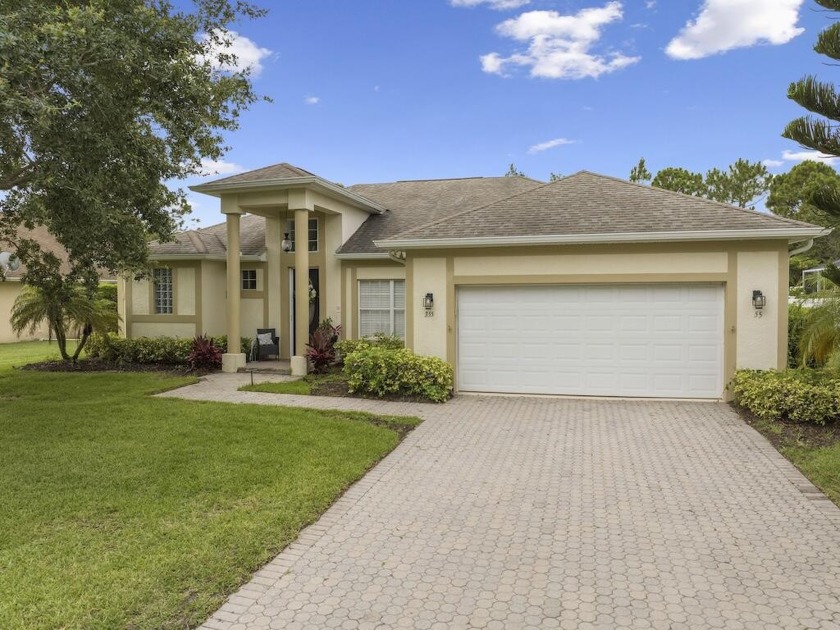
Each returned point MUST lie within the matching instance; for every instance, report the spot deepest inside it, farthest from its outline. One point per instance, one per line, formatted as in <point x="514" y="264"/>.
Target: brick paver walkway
<point x="556" y="513"/>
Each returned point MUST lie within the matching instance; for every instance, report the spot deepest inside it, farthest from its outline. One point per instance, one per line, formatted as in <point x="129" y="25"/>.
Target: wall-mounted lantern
<point x="8" y="262"/>
<point x="759" y="300"/>
<point x="429" y="302"/>
<point x="286" y="244"/>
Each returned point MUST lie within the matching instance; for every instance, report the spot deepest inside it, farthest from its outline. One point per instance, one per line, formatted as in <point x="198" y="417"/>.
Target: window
<point x="249" y="279"/>
<point x="382" y="307"/>
<point x="162" y="280"/>
<point x="313" y="234"/>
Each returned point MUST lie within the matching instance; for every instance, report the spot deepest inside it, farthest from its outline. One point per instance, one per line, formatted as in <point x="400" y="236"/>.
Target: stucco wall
<point x="430" y="333"/>
<point x="185" y="291"/>
<point x="251" y="316"/>
<point x="758" y="338"/>
<point x="9" y="290"/>
<point x="749" y="341"/>
<point x="213" y="292"/>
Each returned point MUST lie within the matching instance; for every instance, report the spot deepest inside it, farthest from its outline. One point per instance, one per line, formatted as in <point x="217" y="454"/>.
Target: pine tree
<point x="821" y="131"/>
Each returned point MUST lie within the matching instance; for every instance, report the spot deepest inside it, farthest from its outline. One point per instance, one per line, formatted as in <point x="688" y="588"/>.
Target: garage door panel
<point x="632" y="340"/>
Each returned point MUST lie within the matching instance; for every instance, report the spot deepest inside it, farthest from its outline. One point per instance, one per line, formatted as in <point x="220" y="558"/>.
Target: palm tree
<point x="67" y="308"/>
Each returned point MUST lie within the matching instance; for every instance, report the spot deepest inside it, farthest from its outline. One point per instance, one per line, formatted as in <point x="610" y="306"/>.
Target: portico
<point x="321" y="216"/>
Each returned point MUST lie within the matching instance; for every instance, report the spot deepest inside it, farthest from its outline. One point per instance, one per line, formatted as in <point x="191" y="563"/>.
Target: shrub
<point x="204" y="355"/>
<point x="165" y="350"/>
<point x="797" y="316"/>
<point x="810" y="396"/>
<point x="321" y="346"/>
<point x="381" y="372"/>
<point x="379" y="340"/>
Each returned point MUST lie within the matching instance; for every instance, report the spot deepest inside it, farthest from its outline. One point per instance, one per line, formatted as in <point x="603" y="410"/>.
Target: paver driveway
<point x="546" y="513"/>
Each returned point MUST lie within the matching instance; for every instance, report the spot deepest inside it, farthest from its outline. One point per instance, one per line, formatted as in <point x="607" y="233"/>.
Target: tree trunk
<point x="86" y="331"/>
<point x="60" y="339"/>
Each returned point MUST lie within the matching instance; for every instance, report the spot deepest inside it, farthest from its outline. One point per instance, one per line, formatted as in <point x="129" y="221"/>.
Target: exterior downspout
<point x="801" y="250"/>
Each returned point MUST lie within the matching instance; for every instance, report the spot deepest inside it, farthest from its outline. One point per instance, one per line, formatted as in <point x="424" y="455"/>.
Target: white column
<point x="299" y="363"/>
<point x="233" y="359"/>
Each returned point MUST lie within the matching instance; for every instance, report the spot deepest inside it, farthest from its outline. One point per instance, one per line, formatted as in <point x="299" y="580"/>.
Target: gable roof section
<point x="284" y="176"/>
<point x="586" y="207"/>
<point x="412" y="204"/>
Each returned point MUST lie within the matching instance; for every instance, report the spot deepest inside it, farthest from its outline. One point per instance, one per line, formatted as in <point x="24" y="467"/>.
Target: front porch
<point x="306" y="220"/>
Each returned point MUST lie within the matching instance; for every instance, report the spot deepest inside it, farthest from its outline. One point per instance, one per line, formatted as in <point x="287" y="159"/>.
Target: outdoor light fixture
<point x="8" y="262"/>
<point x="759" y="300"/>
<point x="429" y="302"/>
<point x="286" y="244"/>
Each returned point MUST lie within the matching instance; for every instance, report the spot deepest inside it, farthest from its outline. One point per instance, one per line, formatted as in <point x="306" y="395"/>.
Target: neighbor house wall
<point x="9" y="290"/>
<point x="749" y="341"/>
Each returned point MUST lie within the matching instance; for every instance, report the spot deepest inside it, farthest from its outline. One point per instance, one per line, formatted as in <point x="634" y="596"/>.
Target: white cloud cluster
<point x="312" y="100"/>
<point x="560" y="46"/>
<point x="723" y="25"/>
<point x="801" y="156"/>
<point x="549" y="144"/>
<point x="499" y="5"/>
<point x="219" y="167"/>
<point x="248" y="56"/>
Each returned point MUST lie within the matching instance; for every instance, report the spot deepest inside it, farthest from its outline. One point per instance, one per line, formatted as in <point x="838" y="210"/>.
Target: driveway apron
<point x="511" y="512"/>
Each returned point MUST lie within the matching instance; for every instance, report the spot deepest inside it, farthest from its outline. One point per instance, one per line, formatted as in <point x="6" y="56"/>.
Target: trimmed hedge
<point x="166" y="350"/>
<point x="381" y="372"/>
<point x="805" y="395"/>
<point x="346" y="347"/>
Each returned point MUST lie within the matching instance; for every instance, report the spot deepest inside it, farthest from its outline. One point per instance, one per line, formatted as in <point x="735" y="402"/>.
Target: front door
<point x="314" y="305"/>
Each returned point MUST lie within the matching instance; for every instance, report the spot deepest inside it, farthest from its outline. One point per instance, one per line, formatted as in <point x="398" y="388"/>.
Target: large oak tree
<point x="101" y="103"/>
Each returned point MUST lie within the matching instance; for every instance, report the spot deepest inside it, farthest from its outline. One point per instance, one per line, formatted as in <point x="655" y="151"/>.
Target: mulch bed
<point x="793" y="433"/>
<point x="98" y="365"/>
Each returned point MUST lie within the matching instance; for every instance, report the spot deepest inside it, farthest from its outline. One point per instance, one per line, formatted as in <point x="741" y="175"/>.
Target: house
<point x="588" y="285"/>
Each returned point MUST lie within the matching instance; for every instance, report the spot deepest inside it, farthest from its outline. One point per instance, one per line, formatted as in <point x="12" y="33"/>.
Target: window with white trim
<point x="382" y="307"/>
<point x="163" y="290"/>
<point x="312" y="234"/>
<point x="249" y="279"/>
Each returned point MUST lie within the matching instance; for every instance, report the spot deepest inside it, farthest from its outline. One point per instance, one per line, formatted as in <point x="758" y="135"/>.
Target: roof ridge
<point x="728" y="206"/>
<point x="196" y="241"/>
<point x="475" y="209"/>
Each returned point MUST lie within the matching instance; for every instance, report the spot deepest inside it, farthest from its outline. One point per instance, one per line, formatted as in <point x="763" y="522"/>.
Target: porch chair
<point x="267" y="344"/>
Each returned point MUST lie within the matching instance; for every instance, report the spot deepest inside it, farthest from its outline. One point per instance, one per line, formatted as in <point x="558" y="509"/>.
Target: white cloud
<point x="549" y="144"/>
<point x="723" y="25"/>
<point x="801" y="156"/>
<point x="312" y="100"/>
<point x="219" y="167"/>
<point x="773" y="163"/>
<point x="499" y="5"/>
<point x="559" y="46"/>
<point x="245" y="53"/>
<point x="650" y="4"/>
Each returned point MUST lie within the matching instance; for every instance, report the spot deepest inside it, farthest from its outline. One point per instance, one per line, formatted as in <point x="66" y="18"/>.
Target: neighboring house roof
<point x="586" y="207"/>
<point x="48" y="243"/>
<point x="415" y="203"/>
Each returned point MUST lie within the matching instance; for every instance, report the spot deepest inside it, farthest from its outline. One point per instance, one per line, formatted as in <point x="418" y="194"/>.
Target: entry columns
<point x="234" y="358"/>
<point x="299" y="363"/>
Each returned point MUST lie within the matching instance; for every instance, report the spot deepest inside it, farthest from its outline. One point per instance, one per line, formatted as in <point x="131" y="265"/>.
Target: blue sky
<point x="382" y="90"/>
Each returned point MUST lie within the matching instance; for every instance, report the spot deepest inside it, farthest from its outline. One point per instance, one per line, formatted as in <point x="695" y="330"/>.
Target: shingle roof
<point x="267" y="173"/>
<point x="586" y="203"/>
<point x="212" y="241"/>
<point x="415" y="203"/>
<point x="48" y="243"/>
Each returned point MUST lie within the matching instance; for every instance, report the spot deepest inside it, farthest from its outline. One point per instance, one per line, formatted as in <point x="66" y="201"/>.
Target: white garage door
<point x="629" y="340"/>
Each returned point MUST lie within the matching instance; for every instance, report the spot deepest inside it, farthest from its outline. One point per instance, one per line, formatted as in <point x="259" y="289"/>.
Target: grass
<point x="300" y="387"/>
<point x="328" y="384"/>
<point x="121" y="510"/>
<point x="21" y="353"/>
<point x="814" y="450"/>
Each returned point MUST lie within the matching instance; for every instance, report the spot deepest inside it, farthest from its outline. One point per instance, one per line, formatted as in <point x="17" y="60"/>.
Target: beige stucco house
<point x="11" y="283"/>
<point x="585" y="286"/>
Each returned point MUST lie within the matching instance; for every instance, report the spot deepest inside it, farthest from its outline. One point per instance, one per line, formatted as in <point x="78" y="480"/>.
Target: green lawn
<point x="17" y="354"/>
<point x="820" y="464"/>
<point x="120" y="510"/>
<point x="300" y="387"/>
